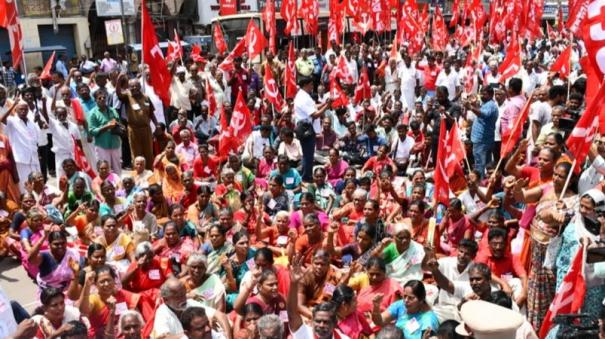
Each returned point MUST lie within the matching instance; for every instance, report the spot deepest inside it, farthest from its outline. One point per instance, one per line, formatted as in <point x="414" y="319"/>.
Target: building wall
<point x="31" y="37"/>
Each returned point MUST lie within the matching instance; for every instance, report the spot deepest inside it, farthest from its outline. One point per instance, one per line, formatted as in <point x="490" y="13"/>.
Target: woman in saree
<point x="351" y="320"/>
<point x="202" y="286"/>
<point x="236" y="266"/>
<point x="544" y="228"/>
<point x="174" y="247"/>
<point x="54" y="266"/>
<point x="403" y="256"/>
<point x="98" y="306"/>
<point x="148" y="272"/>
<point x="119" y="247"/>
<point x="261" y="290"/>
<point x="142" y="224"/>
<point x="454" y="227"/>
<point x="216" y="248"/>
<point x="168" y="156"/>
<point x="85" y="219"/>
<point x="95" y="258"/>
<point x="322" y="190"/>
<point x="308" y="207"/>
<point x="264" y="260"/>
<point x="419" y="225"/>
<point x="361" y="250"/>
<point x="33" y="235"/>
<point x="336" y="167"/>
<point x="54" y="314"/>
<point x="275" y="237"/>
<point x="77" y="195"/>
<point x="185" y="227"/>
<point x="250" y="216"/>
<point x="352" y="212"/>
<point x="346" y="195"/>
<point x="171" y="183"/>
<point x="17" y="223"/>
<point x="112" y="204"/>
<point x="318" y="283"/>
<point x="379" y="283"/>
<point x="228" y="191"/>
<point x="245" y="325"/>
<point x="202" y="212"/>
<point x="104" y="173"/>
<point x="158" y="204"/>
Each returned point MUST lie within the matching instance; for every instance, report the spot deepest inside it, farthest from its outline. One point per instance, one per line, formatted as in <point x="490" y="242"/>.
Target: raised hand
<point x="297" y="271"/>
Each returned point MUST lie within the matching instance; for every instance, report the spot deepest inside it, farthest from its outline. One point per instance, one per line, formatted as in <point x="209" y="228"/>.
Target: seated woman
<point x="85" y="219"/>
<point x="289" y="147"/>
<point x="119" y="247"/>
<point x="158" y="204"/>
<point x="228" y="191"/>
<point x="216" y="248"/>
<point x="236" y="266"/>
<point x="263" y="259"/>
<point x="308" y="207"/>
<point x="322" y="191"/>
<point x="291" y="177"/>
<point x="379" y="162"/>
<point x="51" y="318"/>
<point x="311" y="240"/>
<point x="412" y="314"/>
<point x="420" y="225"/>
<point x="262" y="290"/>
<point x="361" y="250"/>
<point x="336" y="167"/>
<point x="318" y="283"/>
<point x="95" y="258"/>
<point x="352" y="212"/>
<point x="202" y="286"/>
<point x="142" y="224"/>
<point x="346" y="194"/>
<point x="33" y="235"/>
<point x="351" y="320"/>
<point x="42" y="191"/>
<point x="419" y="178"/>
<point x="171" y="183"/>
<point x="174" y="247"/>
<point x="205" y="166"/>
<point x="148" y="272"/>
<point x="111" y="203"/>
<point x="275" y="237"/>
<point x="265" y="166"/>
<point x="185" y="227"/>
<point x="76" y="196"/>
<point x="275" y="199"/>
<point x="8" y="208"/>
<point x="378" y="283"/>
<point x="249" y="216"/>
<point x="203" y="211"/>
<point x="100" y="306"/>
<point x="54" y="266"/>
<point x="141" y="175"/>
<point x="104" y="174"/>
<point x="403" y="256"/>
<point x="454" y="227"/>
<point x="245" y="325"/>
<point x="168" y="156"/>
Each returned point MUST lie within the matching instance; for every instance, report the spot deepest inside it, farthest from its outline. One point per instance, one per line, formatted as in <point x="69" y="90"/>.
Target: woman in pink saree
<point x="173" y="247"/>
<point x="54" y="266"/>
<point x="379" y="284"/>
<point x="336" y="167"/>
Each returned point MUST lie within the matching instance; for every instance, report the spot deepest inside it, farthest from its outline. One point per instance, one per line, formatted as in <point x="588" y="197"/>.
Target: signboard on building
<point x="114" y="7"/>
<point x="113" y="29"/>
<point x="209" y="9"/>
<point x="228" y="7"/>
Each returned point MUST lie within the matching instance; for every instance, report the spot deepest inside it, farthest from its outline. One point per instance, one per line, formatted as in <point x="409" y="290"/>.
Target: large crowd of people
<point x="324" y="222"/>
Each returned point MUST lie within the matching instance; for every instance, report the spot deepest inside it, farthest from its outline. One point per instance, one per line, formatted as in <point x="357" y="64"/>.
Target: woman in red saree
<point x="454" y="227"/>
<point x="173" y="247"/>
<point x="376" y="271"/>
<point x="267" y="295"/>
<point x="96" y="306"/>
<point x="351" y="320"/>
<point x="349" y="215"/>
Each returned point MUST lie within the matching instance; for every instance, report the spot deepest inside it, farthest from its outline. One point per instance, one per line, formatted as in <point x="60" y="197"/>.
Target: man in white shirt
<point x="256" y="143"/>
<point x="448" y="78"/>
<point x="174" y="296"/>
<point x="305" y="110"/>
<point x="594" y="174"/>
<point x="401" y="148"/>
<point x="65" y="135"/>
<point x="22" y="131"/>
<point x="410" y="79"/>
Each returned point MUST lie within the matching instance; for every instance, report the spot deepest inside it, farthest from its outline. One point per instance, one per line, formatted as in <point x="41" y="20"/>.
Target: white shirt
<point x="540" y="111"/>
<point x="63" y="137"/>
<point x="304" y="106"/>
<point x="255" y="145"/>
<point x="306" y="332"/>
<point x="449" y="267"/>
<point x="402" y="148"/>
<point x="450" y="81"/>
<point x="8" y="325"/>
<point x="23" y="138"/>
<point x="166" y="322"/>
<point x="592" y="175"/>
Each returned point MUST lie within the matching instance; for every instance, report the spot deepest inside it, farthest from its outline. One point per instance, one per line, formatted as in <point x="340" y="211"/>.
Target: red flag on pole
<point x="238" y="130"/>
<point x="455" y="151"/>
<point x="563" y="63"/>
<point x="439" y="32"/>
<point x="570" y="294"/>
<point x="81" y="162"/>
<point x="512" y="62"/>
<point x="455" y="13"/>
<point x="309" y="11"/>
<point x="341" y="71"/>
<point x="212" y="105"/>
<point x="576" y="13"/>
<point x="219" y="39"/>
<point x="270" y="26"/>
<point x="78" y="111"/>
<point x="255" y="40"/>
<point x="48" y="67"/>
<point x="159" y="76"/>
<point x="442" y="185"/>
<point x="290" y="73"/>
<point x="271" y="91"/>
<point x="339" y="98"/>
<point x="510" y="140"/>
<point x="238" y="50"/>
<point x="288" y="13"/>
<point x="579" y="141"/>
<point x="9" y="19"/>
<point x="363" y="90"/>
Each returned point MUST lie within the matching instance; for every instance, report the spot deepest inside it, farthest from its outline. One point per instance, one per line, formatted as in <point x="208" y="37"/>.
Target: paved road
<point x="17" y="285"/>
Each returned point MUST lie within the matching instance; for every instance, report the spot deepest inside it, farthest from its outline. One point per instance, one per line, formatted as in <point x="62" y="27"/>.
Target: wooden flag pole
<point x="573" y="165"/>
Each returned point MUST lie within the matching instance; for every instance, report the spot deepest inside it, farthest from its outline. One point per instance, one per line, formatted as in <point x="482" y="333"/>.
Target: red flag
<point x="352" y="8"/>
<point x="271" y="91"/>
<point x="439" y="32"/>
<point x="270" y="25"/>
<point x="227" y="7"/>
<point x="515" y="133"/>
<point x="560" y="18"/>
<point x="239" y="128"/>
<point x="563" y="63"/>
<point x="594" y="36"/>
<point x="442" y="184"/>
<point x="309" y="12"/>
<point x="238" y="50"/>
<point x="196" y="50"/>
<point x="219" y="39"/>
<point x="288" y="13"/>
<point x="212" y="105"/>
<point x="363" y="90"/>
<point x="570" y="294"/>
<point x="175" y="49"/>
<point x="290" y="73"/>
<point x="512" y="61"/>
<point x="255" y="40"/>
<point x="455" y="13"/>
<point x="78" y="111"/>
<point x="533" y="18"/>
<point x="550" y="32"/>
<point x="455" y="151"/>
<point x="579" y="141"/>
<point x="81" y="162"/>
<point x="576" y="13"/>
<point x="49" y="65"/>
<point x="179" y="46"/>
<point x="342" y="72"/>
<point x="363" y="21"/>
<point x="381" y="15"/>
<point x="9" y="19"/>
<point x="159" y="76"/>
<point x="339" y="98"/>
